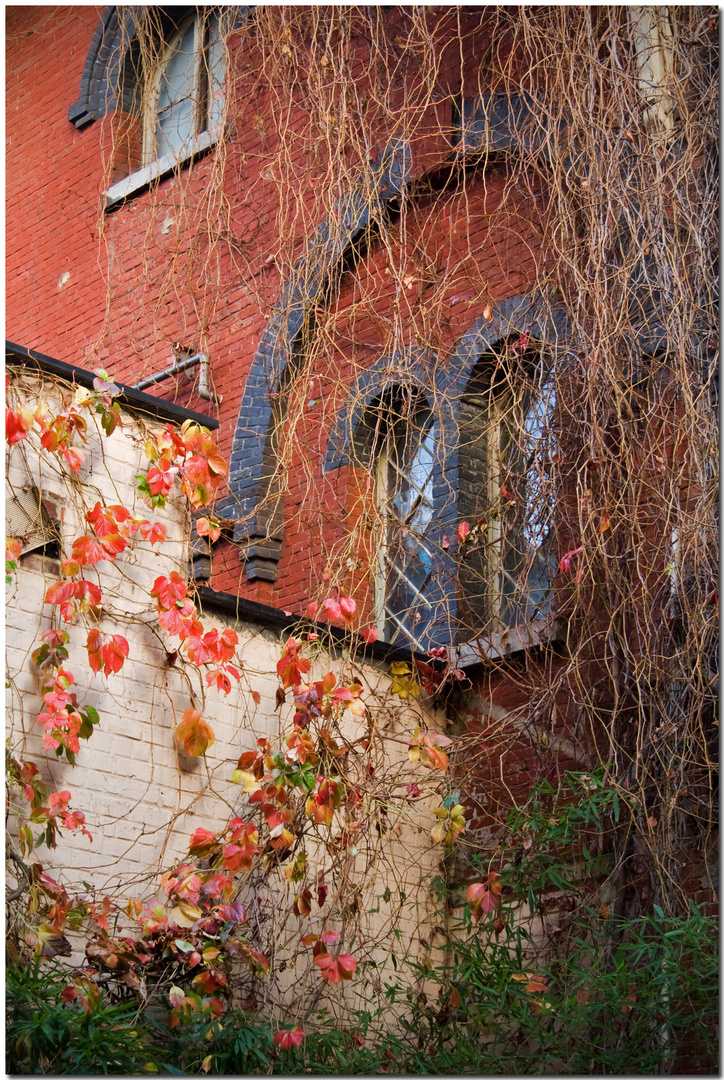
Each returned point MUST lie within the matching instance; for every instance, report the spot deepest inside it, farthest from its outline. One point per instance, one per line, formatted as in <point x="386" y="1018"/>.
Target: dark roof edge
<point x="130" y="397"/>
<point x="274" y="619"/>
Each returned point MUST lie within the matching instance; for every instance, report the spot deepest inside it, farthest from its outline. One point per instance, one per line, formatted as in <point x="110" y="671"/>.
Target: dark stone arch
<point x="251" y="466"/>
<point x="488" y="123"/>
<point x="101" y="72"/>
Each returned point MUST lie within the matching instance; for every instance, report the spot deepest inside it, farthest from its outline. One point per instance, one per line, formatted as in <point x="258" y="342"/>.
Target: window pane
<point x="528" y="562"/>
<point x="408" y="562"/>
<point x="175" y="105"/>
<point x="174" y="127"/>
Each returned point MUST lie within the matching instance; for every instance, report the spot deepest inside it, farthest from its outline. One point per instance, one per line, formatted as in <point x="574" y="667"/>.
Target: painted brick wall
<point x="141" y="797"/>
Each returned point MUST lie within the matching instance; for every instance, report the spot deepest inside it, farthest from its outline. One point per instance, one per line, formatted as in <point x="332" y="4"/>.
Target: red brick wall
<point x="120" y="289"/>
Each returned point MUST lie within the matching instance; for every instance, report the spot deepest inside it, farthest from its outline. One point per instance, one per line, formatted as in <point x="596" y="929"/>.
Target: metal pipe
<point x="177" y="367"/>
<point x="205" y="390"/>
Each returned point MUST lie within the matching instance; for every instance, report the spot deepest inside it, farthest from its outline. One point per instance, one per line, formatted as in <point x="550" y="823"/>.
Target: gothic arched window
<point x="405" y="463"/>
<point x="506" y="494"/>
<point x="187" y="90"/>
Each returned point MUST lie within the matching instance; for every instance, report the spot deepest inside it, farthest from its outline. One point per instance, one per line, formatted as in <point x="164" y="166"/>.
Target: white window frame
<point x="652" y="36"/>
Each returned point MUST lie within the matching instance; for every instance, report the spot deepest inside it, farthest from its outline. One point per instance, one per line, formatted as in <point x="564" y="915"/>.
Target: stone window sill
<point x="160" y="168"/>
<point x="513" y="640"/>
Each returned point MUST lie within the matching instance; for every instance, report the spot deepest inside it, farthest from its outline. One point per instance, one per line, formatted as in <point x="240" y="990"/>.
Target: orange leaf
<point x="194" y="734"/>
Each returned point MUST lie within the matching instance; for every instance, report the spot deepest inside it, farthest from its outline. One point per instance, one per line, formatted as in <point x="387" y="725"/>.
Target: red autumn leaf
<point x="87" y="550"/>
<point x="331" y="609"/>
<point x="74" y="458"/>
<point x="475" y="892"/>
<point x="201" y="838"/>
<point x="94" y="646"/>
<point x="488" y="902"/>
<point x="194" y="734"/>
<point x="335" y="969"/>
<point x="302" y="905"/>
<point x="160" y="477"/>
<point x="181" y="621"/>
<point x="348" y="607"/>
<point x="169" y="589"/>
<point x="215" y="885"/>
<point x="106" y="520"/>
<point x="494" y="884"/>
<point x="288" y="1039"/>
<point x="87" y="590"/>
<point x="227" y="643"/>
<point x="348" y="965"/>
<point x="202" y="649"/>
<point x="565" y="564"/>
<point x="208" y="982"/>
<point x="463" y="532"/>
<point x="370" y="635"/>
<point x="114" y="653"/>
<point x="17" y="424"/>
<point x="155" y="534"/>
<point x="61" y="592"/>
<point x="328" y="967"/>
<point x="292" y="666"/>
<point x="312" y="609"/>
<point x="208" y="527"/>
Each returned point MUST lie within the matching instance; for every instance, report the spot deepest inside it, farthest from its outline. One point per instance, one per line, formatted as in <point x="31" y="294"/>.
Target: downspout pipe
<point x="176" y="368"/>
<point x="199" y="360"/>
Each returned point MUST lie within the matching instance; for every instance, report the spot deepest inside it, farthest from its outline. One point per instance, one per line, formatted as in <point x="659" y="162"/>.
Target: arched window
<point x="405" y="463"/>
<point x="187" y="93"/>
<point x="506" y="493"/>
<point x="171" y="94"/>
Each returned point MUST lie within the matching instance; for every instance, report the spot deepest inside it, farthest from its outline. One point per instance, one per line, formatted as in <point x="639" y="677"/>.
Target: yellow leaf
<point x="240" y="776"/>
<point x="184" y="914"/>
<point x="439" y="832"/>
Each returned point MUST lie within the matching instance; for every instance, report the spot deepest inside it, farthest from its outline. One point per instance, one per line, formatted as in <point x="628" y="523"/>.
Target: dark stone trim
<point x="311" y="275"/>
<point x="99" y="79"/>
<point x="130" y="398"/>
<point x="273" y="619"/>
<point x="492" y="122"/>
<point x="408" y="367"/>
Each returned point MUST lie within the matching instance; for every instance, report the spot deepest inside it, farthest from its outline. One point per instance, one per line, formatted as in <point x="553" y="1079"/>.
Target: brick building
<point x="365" y="299"/>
